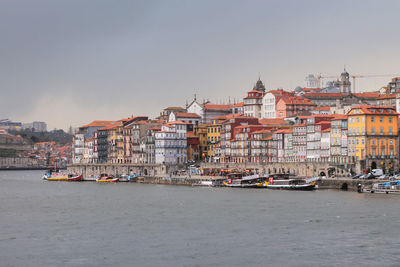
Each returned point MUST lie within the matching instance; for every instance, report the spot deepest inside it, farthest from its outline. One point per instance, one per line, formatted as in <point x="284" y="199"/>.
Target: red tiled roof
<point x="367" y="109"/>
<point x="262" y="131"/>
<point x="387" y="96"/>
<point x="229" y="116"/>
<point x="284" y="131"/>
<point x="187" y="115"/>
<point x="295" y="100"/>
<point x="315" y="94"/>
<point x="109" y="127"/>
<point x="177" y="122"/>
<point x="216" y="106"/>
<point x="238" y="105"/>
<point x="99" y="124"/>
<point x="367" y="95"/>
<point x="340" y="117"/>
<point x="276" y="121"/>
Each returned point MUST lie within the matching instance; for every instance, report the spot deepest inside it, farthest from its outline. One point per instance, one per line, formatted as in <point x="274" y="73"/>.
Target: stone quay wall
<point x="94" y="170"/>
<point x="303" y="169"/>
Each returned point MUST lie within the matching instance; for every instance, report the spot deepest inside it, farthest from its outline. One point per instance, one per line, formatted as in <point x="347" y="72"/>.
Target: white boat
<point x="381" y="188"/>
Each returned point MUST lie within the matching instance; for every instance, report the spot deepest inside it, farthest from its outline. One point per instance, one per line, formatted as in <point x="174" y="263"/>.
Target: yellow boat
<point x="107" y="179"/>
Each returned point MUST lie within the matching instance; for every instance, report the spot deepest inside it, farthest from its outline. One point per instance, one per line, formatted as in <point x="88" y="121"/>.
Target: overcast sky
<point x="71" y="62"/>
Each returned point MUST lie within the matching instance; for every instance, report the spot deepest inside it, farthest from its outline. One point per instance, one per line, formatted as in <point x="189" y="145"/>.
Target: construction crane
<point x="370" y="76"/>
<point x="319" y="77"/>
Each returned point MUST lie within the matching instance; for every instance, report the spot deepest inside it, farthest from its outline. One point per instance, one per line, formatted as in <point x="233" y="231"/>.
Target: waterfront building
<point x="112" y="155"/>
<point x="138" y="139"/>
<point x="89" y="155"/>
<point x="254" y="100"/>
<point x="171" y="143"/>
<point x="259" y="146"/>
<point x="150" y="145"/>
<point x="213" y="137"/>
<point x="299" y="142"/>
<point x="83" y="133"/>
<point x="338" y="152"/>
<point x="227" y="134"/>
<point x="78" y="147"/>
<point x="325" y="142"/>
<point x="193" y="148"/>
<point x="201" y="132"/>
<point x="241" y="143"/>
<point x="128" y="144"/>
<point x="315" y="125"/>
<point x="373" y="137"/>
<point x="102" y="144"/>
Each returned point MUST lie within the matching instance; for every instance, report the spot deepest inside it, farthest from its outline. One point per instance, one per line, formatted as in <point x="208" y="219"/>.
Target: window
<point x="390" y="130"/>
<point x="382" y="142"/>
<point x="357" y="141"/>
<point x="358" y="119"/>
<point x="390" y="119"/>
<point x="373" y="142"/>
<point x="380" y="119"/>
<point x="381" y="130"/>
<point x="372" y="119"/>
<point x="372" y="129"/>
<point x="363" y="141"/>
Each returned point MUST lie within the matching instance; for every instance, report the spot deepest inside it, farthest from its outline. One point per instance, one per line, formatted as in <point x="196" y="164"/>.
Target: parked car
<point x="357" y="176"/>
<point x="377" y="172"/>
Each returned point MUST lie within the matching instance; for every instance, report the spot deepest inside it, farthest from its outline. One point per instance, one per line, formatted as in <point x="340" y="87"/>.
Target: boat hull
<point x="309" y="187"/>
<point x="64" y="178"/>
<point x="113" y="180"/>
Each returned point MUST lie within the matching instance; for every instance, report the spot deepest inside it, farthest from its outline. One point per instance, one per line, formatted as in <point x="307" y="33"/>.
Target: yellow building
<point x="201" y="132"/>
<point x="213" y="136"/>
<point x="372" y="137"/>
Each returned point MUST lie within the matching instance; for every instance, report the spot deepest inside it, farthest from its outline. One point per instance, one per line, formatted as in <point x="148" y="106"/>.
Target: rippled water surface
<point x="87" y="224"/>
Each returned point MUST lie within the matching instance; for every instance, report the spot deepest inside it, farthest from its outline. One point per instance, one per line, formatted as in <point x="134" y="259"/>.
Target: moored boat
<point x="62" y="177"/>
<point x="290" y="184"/>
<point x="250" y="181"/>
<point x="392" y="187"/>
<point x="107" y="179"/>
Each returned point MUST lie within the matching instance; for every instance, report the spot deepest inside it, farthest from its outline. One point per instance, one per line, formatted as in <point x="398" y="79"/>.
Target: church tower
<point x="344" y="83"/>
<point x="259" y="86"/>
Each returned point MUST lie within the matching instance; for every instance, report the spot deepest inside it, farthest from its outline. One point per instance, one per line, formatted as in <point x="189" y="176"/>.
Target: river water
<point x="87" y="224"/>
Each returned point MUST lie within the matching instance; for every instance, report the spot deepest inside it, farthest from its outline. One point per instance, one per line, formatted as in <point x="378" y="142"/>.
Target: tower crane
<point x="369" y="76"/>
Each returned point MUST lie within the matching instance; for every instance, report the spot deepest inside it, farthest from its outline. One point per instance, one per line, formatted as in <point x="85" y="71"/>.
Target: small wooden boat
<point x="62" y="177"/>
<point x="107" y="179"/>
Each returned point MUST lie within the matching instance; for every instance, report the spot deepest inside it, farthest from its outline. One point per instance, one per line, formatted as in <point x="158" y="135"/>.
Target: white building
<point x="192" y="118"/>
<point x="78" y="147"/>
<point x="268" y="110"/>
<point x="311" y="82"/>
<point x="171" y="143"/>
<point x="89" y="154"/>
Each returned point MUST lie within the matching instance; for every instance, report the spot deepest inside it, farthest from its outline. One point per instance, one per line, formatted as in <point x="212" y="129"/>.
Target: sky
<point x="70" y="62"/>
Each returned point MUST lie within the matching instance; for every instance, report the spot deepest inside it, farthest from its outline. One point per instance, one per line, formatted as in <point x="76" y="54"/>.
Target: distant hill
<point x="58" y="136"/>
